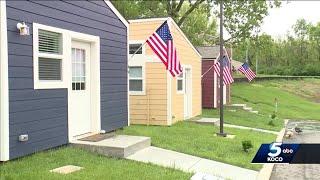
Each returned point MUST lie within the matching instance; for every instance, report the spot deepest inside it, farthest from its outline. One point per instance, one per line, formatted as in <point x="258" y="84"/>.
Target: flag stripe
<point x="245" y="69"/>
<point x="227" y="77"/>
<point x="161" y="42"/>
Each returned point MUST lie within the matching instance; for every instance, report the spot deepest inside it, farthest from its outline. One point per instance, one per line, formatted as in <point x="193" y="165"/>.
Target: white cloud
<point x="280" y="20"/>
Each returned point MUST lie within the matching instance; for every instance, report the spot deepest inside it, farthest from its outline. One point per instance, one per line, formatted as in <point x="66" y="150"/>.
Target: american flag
<point x="245" y="69"/>
<point x="161" y="42"/>
<point x="227" y="77"/>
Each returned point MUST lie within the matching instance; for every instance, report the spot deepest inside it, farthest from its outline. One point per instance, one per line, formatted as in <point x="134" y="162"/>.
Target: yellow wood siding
<point x="142" y="31"/>
<point x="151" y="108"/>
<point x="187" y="56"/>
<point x="156" y="80"/>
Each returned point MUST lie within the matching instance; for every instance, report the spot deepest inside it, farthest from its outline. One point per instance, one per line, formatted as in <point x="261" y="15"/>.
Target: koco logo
<point x="275" y="150"/>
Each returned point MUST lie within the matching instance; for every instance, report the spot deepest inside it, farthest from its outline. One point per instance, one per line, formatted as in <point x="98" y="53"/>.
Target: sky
<point x="280" y="20"/>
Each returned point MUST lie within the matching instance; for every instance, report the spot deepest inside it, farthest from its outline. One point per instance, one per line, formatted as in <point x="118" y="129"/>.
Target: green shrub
<point x="246" y="145"/>
<point x="271" y="123"/>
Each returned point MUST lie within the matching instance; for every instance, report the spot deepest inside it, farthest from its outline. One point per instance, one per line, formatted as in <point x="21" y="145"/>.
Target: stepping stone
<point x="248" y="108"/>
<point x="229" y="136"/>
<point x="66" y="169"/>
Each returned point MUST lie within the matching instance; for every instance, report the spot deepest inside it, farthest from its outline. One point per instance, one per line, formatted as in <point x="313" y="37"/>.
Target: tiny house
<point x="157" y="98"/>
<point x="210" y="80"/>
<point x="63" y="73"/>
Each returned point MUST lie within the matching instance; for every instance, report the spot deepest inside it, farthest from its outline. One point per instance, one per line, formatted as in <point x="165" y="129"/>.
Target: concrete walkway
<point x="192" y="164"/>
<point x="216" y="121"/>
<point x="250" y="128"/>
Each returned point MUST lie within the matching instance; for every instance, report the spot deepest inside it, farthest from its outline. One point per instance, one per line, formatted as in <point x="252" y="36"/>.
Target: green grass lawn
<point x="199" y="140"/>
<point x="261" y="96"/>
<point x="37" y="166"/>
<point x="244" y="118"/>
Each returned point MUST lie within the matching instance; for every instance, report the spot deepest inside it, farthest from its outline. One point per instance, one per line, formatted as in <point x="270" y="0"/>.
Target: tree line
<point x="296" y="54"/>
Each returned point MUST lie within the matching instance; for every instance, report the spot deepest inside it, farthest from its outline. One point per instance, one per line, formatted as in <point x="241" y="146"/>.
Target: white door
<point x="187" y="93"/>
<point x="79" y="95"/>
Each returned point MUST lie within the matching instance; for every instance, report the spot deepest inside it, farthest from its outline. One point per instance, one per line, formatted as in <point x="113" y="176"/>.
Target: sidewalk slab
<point x="250" y="128"/>
<point x="216" y="121"/>
<point x="224" y="170"/>
<point x="189" y="163"/>
<point x="165" y="158"/>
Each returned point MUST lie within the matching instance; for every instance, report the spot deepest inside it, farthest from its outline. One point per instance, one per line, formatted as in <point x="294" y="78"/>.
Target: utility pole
<point x="221" y="133"/>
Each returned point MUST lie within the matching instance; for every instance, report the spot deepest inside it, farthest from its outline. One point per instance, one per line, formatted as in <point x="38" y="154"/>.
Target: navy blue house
<point x="63" y="73"/>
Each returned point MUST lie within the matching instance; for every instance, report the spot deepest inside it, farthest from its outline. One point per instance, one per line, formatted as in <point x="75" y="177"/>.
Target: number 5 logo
<point x="275" y="149"/>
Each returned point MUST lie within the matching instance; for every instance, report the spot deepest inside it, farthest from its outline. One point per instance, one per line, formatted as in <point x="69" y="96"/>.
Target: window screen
<point x="134" y="47"/>
<point x="49" y="69"/>
<point x="135" y="78"/>
<point x="50" y="42"/>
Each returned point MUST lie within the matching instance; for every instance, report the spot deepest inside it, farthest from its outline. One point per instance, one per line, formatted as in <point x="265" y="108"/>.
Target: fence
<point x="265" y="78"/>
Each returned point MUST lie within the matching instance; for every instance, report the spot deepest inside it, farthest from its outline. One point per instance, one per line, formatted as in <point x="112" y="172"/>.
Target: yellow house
<point x="157" y="98"/>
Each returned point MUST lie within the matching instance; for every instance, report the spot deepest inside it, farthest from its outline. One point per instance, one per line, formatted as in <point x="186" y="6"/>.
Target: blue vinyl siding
<point x="43" y="114"/>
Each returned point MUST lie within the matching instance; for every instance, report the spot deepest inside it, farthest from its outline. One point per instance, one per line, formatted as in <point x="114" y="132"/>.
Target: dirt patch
<point x="309" y="88"/>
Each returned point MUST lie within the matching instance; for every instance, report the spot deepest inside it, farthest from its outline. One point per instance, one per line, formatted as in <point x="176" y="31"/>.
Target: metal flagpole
<point x="137" y="50"/>
<point x="221" y="133"/>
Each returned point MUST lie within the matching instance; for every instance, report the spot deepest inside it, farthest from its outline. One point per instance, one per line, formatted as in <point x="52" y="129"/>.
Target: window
<point x="135" y="48"/>
<point x="135" y="79"/>
<point x="49" y="69"/>
<point x="50" y="42"/>
<point x="180" y="83"/>
<point x="49" y="45"/>
<point x="78" y="69"/>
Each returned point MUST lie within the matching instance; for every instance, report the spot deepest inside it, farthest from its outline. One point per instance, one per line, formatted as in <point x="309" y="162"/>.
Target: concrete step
<point x="116" y="146"/>
<point x="255" y="112"/>
<point x="237" y="106"/>
<point x="248" y="108"/>
<point x="214" y="121"/>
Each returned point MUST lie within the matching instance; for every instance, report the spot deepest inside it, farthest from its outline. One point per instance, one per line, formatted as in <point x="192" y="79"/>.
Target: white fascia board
<point x="117" y="13"/>
<point x="4" y="85"/>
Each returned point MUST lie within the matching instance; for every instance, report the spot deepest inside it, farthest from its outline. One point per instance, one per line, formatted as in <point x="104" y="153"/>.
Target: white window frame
<point x="138" y="42"/>
<point x="49" y="84"/>
<point x="183" y="82"/>
<point x="143" y="92"/>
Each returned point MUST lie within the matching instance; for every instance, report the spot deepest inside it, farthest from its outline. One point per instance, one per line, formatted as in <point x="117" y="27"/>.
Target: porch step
<point x="116" y="146"/>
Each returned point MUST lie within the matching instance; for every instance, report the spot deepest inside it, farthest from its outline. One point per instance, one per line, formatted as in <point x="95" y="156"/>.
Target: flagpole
<point x="137" y="50"/>
<point x="221" y="133"/>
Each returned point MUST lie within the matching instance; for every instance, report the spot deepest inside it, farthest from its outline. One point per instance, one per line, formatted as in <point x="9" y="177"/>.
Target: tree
<point x="301" y="29"/>
<point x="314" y="37"/>
<point x="242" y="18"/>
<point x="297" y="54"/>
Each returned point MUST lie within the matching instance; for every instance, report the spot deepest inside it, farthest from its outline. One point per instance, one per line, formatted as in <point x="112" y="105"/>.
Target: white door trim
<point x="4" y="85"/>
<point x="94" y="105"/>
<point x="187" y="104"/>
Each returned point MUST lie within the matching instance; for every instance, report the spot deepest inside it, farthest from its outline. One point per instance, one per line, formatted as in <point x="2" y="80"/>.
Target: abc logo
<point x="287" y="151"/>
